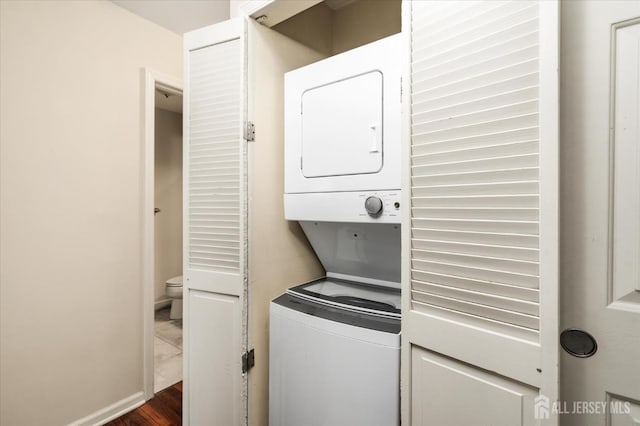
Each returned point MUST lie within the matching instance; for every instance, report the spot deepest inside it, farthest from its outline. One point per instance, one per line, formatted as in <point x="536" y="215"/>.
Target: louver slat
<point x="214" y="158"/>
<point x="474" y="165"/>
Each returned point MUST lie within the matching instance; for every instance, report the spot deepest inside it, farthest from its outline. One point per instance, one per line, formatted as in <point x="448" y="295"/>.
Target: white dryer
<point x="342" y="135"/>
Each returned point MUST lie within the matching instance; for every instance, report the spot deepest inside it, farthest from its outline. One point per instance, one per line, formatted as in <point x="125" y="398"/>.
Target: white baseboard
<point x="162" y="303"/>
<point x="111" y="412"/>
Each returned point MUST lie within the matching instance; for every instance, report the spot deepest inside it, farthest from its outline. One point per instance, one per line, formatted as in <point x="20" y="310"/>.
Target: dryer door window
<point x="342" y="127"/>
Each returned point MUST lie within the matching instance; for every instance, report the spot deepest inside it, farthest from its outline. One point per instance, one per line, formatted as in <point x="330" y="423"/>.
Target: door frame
<point x="151" y="80"/>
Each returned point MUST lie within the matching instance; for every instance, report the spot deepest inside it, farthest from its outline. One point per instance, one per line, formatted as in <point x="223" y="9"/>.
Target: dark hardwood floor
<point x="164" y="409"/>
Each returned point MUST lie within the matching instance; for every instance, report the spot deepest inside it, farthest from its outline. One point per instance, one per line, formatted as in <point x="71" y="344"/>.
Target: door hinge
<point x="248" y="360"/>
<point x="250" y="132"/>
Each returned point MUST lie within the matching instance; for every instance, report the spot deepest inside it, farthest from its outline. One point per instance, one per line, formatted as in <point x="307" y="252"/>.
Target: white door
<point x="215" y="198"/>
<point x="600" y="281"/>
<point x="342" y="127"/>
<point x="342" y="121"/>
<point x="480" y="273"/>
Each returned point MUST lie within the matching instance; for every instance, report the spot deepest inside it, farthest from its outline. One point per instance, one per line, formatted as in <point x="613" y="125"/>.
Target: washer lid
<point x="352" y="317"/>
<point x="351" y="295"/>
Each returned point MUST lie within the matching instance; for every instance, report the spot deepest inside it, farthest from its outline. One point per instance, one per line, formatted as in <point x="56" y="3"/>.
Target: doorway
<point x="167" y="238"/>
<point x="162" y="232"/>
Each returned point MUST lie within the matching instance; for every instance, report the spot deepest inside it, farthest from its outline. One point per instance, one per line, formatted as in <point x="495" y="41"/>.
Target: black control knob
<point x="373" y="206"/>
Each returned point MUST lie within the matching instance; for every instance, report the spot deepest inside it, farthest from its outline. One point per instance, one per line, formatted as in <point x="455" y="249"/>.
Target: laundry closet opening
<point x="338" y="155"/>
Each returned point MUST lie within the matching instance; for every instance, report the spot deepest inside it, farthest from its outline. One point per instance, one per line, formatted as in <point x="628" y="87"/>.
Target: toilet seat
<point x="175" y="281"/>
<point x="174" y="287"/>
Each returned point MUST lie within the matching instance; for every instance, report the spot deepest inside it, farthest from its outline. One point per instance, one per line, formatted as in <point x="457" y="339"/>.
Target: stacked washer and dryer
<point x="335" y="342"/>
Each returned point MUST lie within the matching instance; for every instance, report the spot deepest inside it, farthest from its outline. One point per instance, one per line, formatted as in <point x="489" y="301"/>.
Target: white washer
<point x="335" y="355"/>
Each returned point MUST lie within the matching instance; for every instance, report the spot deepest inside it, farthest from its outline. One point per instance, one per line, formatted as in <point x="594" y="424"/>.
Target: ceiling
<point x="179" y="16"/>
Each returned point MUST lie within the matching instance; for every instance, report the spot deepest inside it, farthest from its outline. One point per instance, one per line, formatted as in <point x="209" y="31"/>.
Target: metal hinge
<point x="248" y="361"/>
<point x="250" y="132"/>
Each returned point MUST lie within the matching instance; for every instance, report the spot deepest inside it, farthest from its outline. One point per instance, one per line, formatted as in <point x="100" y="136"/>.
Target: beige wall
<point x="279" y="254"/>
<point x="313" y="28"/>
<point x="365" y="21"/>
<point x="168" y="198"/>
<point x="70" y="218"/>
<point x="335" y="31"/>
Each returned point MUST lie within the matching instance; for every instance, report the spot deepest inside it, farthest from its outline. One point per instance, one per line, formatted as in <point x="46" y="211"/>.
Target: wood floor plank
<point x="149" y="412"/>
<point x="164" y="409"/>
<point x="169" y="405"/>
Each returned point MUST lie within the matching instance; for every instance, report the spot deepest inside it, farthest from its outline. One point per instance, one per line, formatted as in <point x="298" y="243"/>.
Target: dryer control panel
<point x="374" y="206"/>
<point x="360" y="206"/>
<point x="381" y="204"/>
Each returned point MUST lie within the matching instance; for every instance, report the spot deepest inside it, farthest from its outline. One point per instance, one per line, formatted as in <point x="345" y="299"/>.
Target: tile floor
<point x="168" y="350"/>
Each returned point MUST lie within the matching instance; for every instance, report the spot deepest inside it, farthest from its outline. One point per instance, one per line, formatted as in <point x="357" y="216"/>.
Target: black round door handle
<point x="578" y="343"/>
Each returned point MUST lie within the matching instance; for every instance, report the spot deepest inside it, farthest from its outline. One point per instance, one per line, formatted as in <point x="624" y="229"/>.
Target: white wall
<point x="70" y="206"/>
<point x="168" y="198"/>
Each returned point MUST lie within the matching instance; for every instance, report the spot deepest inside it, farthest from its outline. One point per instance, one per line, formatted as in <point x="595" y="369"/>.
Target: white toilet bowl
<point x="174" y="292"/>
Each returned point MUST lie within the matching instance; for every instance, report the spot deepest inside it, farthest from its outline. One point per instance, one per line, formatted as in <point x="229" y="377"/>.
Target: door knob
<point x="578" y="343"/>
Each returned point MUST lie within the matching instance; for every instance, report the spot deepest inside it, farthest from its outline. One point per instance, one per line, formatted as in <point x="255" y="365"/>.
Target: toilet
<point x="174" y="292"/>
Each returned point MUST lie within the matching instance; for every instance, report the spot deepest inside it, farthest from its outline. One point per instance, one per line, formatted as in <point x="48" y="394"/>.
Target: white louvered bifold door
<point x="215" y="199"/>
<point x="480" y="241"/>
